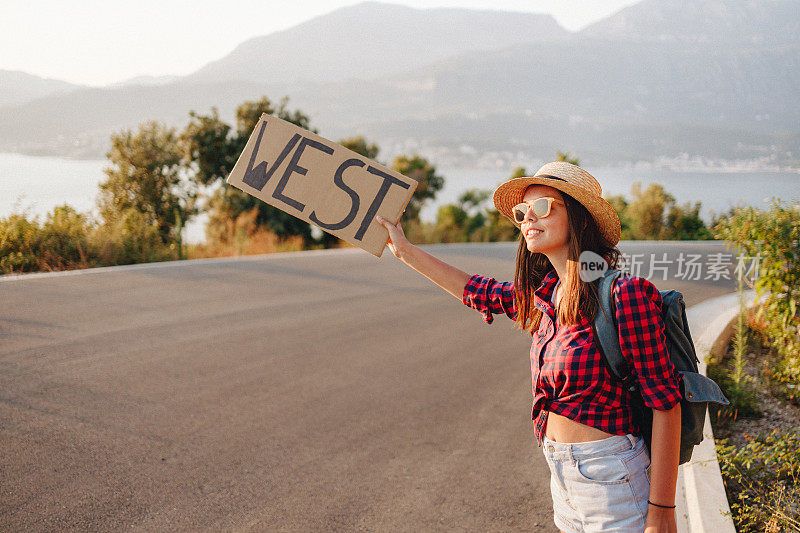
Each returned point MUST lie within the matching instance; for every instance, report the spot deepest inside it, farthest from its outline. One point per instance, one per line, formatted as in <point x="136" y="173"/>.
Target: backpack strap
<point x="607" y="334"/>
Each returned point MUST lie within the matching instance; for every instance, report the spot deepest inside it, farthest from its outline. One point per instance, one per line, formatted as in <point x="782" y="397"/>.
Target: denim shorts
<point x="599" y="485"/>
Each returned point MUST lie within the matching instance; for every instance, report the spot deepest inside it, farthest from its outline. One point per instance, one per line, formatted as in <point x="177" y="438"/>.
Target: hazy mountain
<point x="613" y="91"/>
<point x="738" y="22"/>
<point x="586" y="79"/>
<point x="371" y="40"/>
<point x="146" y="80"/>
<point x="18" y="87"/>
<point x="79" y="123"/>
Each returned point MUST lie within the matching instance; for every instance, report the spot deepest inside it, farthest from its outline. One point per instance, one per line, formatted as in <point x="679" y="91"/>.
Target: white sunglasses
<point x="541" y="208"/>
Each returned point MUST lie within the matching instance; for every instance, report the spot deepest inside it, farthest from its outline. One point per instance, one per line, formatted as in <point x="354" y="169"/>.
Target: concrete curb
<point x="701" y="504"/>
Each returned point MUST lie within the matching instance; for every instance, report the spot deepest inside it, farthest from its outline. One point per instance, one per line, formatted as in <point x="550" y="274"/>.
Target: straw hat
<point x="567" y="178"/>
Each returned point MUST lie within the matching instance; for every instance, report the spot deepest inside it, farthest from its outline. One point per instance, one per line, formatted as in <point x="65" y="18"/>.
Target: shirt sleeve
<point x="643" y="343"/>
<point x="487" y="296"/>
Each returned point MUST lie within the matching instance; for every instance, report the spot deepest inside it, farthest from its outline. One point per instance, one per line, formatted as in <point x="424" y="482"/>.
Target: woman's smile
<point x="530" y="233"/>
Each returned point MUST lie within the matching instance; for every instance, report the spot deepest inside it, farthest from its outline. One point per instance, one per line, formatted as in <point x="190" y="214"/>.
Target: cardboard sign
<point x="321" y="182"/>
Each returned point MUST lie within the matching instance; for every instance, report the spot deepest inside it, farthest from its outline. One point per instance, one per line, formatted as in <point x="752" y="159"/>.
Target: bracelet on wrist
<point x="662" y="506"/>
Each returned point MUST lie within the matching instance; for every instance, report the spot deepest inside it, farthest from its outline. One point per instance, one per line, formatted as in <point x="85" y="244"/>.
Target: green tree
<point x="684" y="223"/>
<point x="518" y="172"/>
<point x="359" y="145"/>
<point x="497" y="228"/>
<point x="473" y="202"/>
<point x="249" y="113"/>
<point x="494" y="226"/>
<point x="428" y="183"/>
<point x="146" y="176"/>
<point x="462" y="221"/>
<point x="450" y="222"/>
<point x="647" y="210"/>
<point x="620" y="205"/>
<point x="211" y="148"/>
<point x="568" y="157"/>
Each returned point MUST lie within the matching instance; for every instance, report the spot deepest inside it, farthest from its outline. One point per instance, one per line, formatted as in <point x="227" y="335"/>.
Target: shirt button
<point x="550" y="448"/>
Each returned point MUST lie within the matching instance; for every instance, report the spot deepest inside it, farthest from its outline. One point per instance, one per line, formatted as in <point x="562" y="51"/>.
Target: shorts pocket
<point x="605" y="470"/>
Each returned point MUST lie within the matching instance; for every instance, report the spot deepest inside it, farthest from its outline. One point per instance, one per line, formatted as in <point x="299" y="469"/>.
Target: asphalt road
<point x="313" y="391"/>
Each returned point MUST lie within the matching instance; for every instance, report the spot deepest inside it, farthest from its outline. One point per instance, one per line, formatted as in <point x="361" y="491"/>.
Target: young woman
<point x="602" y="478"/>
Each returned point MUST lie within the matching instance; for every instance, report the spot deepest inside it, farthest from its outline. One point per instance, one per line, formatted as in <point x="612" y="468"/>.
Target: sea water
<point x="37" y="184"/>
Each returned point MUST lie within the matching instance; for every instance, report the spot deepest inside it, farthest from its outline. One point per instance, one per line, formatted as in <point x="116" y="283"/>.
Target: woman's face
<point x="548" y="234"/>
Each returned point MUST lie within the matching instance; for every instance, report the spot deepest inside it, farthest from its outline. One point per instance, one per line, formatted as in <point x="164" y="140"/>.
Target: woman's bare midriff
<point x="562" y="429"/>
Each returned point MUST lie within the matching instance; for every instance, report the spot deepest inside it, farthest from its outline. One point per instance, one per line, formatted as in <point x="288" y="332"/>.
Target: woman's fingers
<point x="394" y="229"/>
<point x="395" y="234"/>
<point x="386" y="224"/>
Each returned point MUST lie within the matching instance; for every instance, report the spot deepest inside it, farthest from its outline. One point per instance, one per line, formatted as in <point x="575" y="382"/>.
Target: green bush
<point x="653" y="214"/>
<point x="70" y="240"/>
<point x="684" y="223"/>
<point x="20" y="242"/>
<point x="129" y="239"/>
<point x="61" y="243"/>
<point x="65" y="240"/>
<point x="761" y="481"/>
<point x="774" y="237"/>
<point x="741" y="393"/>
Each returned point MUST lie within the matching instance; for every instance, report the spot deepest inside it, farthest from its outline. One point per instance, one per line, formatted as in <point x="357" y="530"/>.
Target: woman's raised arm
<point x="446" y="276"/>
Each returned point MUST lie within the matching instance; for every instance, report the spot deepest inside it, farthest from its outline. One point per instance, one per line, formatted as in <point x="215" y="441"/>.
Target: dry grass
<point x="259" y="241"/>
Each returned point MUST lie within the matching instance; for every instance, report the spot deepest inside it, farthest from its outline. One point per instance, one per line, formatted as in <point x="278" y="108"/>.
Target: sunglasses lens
<point x="519" y="212"/>
<point x="541" y="207"/>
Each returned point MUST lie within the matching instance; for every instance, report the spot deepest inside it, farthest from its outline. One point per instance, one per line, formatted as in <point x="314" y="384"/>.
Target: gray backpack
<point x="696" y="389"/>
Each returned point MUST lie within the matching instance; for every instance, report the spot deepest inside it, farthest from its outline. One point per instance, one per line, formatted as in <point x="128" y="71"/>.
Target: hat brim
<point x="511" y="192"/>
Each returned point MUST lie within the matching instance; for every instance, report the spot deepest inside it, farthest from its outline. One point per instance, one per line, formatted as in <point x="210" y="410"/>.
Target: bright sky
<point x="98" y="42"/>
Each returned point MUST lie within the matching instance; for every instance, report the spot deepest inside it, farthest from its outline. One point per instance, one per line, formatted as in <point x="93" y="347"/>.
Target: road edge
<point x="701" y="502"/>
<point x="177" y="262"/>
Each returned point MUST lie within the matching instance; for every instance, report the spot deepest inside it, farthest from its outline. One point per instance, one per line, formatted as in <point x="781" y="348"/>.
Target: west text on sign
<point x="321" y="182"/>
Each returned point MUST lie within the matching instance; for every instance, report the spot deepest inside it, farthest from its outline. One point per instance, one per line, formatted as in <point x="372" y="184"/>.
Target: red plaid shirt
<point x="568" y="376"/>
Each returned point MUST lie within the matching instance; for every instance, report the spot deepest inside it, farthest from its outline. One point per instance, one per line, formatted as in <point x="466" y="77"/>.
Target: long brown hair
<point x="579" y="297"/>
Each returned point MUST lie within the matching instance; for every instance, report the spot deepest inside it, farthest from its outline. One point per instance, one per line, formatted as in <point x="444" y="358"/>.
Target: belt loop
<point x="632" y="439"/>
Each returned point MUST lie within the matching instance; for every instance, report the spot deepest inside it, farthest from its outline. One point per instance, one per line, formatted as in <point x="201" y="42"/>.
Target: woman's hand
<point x="398" y="243"/>
<point x="660" y="520"/>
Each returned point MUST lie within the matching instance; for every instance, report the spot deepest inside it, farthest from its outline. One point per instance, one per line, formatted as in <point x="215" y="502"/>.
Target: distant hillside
<point x="78" y="124"/>
<point x="370" y="40"/>
<point x="738" y="22"/>
<point x="18" y="87"/>
<point x="618" y="90"/>
<point x="146" y="80"/>
<point x="596" y="80"/>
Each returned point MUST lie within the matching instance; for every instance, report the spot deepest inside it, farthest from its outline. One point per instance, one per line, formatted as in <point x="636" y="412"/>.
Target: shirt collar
<point x="542" y="295"/>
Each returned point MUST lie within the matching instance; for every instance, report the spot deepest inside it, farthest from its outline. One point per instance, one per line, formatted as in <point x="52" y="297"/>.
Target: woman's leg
<point x="564" y="514"/>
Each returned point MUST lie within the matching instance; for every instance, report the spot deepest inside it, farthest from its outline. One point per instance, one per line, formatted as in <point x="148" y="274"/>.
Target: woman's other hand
<point x="398" y="243"/>
<point x="660" y="521"/>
